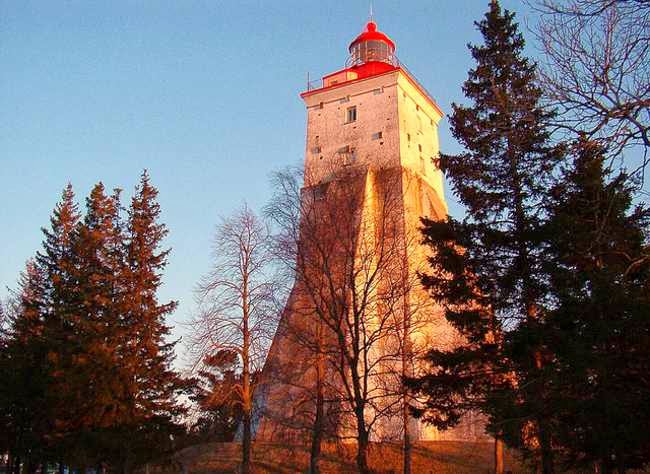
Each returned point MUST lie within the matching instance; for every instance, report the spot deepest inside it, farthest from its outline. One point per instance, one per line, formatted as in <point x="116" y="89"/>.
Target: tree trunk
<point x="317" y="430"/>
<point x="407" y="446"/>
<point x="498" y="455"/>
<point x="545" y="448"/>
<point x="246" y="444"/>
<point x="543" y="435"/>
<point x="362" y="452"/>
<point x="407" y="450"/>
<point x="246" y="384"/>
<point x="407" y="358"/>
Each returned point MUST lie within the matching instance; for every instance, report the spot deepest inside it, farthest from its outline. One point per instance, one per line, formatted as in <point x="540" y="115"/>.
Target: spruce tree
<point x="57" y="261"/>
<point x="215" y="393"/>
<point x="486" y="269"/>
<point x="35" y="342"/>
<point x="87" y="381"/>
<point x="24" y="396"/>
<point x="599" y="266"/>
<point x="147" y="354"/>
<point x="87" y="364"/>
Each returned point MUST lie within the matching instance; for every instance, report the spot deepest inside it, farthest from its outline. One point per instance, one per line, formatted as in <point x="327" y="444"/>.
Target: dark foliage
<point x="86" y="360"/>
<point x="599" y="323"/>
<point x="486" y="270"/>
<point x="217" y="398"/>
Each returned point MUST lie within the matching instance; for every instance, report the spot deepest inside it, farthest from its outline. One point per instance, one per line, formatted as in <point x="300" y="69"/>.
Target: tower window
<point x="408" y="137"/>
<point x="377" y="136"/>
<point x="349" y="155"/>
<point x="316" y="149"/>
<point x="351" y="114"/>
<point x="423" y="170"/>
<point x="420" y="148"/>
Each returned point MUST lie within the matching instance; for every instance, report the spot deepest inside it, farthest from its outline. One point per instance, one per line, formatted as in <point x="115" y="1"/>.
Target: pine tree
<point x="216" y="396"/>
<point x="87" y="363"/>
<point x="57" y="261"/>
<point x="492" y="282"/>
<point x="146" y="353"/>
<point x="599" y="328"/>
<point x="34" y="343"/>
<point x="24" y="408"/>
<point x="88" y="377"/>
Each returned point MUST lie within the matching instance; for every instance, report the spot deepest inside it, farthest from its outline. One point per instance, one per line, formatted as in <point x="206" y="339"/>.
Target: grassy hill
<point x="439" y="457"/>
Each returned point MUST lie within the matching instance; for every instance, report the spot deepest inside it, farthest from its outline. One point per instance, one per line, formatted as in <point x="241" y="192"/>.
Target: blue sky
<point x="204" y="94"/>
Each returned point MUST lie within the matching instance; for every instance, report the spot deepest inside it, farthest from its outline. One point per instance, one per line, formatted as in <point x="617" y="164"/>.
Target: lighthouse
<point x="370" y="158"/>
<point x="373" y="112"/>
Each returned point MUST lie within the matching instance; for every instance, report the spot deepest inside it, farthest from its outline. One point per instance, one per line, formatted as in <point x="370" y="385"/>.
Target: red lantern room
<point x="371" y="45"/>
<point x="372" y="53"/>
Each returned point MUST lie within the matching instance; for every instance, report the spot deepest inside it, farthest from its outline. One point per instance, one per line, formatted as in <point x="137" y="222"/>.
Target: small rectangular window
<point x="422" y="168"/>
<point x="420" y="148"/>
<point x="320" y="105"/>
<point x="408" y="137"/>
<point x="417" y="107"/>
<point x="316" y="149"/>
<point x="377" y="136"/>
<point x="351" y="114"/>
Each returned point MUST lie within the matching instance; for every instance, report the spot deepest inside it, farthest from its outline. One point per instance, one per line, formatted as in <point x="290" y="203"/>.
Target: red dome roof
<point x="371" y="34"/>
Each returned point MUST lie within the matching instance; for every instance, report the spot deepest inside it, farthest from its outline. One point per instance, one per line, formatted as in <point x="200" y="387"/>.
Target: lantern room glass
<point x="367" y="51"/>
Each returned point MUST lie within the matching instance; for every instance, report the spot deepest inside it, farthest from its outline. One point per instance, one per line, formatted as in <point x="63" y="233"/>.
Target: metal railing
<point x="394" y="61"/>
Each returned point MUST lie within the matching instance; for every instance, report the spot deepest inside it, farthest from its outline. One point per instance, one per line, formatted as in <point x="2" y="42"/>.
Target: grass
<point x="439" y="457"/>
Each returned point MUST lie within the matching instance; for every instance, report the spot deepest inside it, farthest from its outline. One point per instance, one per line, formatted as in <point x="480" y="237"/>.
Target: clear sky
<point x="204" y="94"/>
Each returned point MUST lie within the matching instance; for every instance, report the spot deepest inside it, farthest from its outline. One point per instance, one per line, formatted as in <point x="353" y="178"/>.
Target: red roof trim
<point x="413" y="82"/>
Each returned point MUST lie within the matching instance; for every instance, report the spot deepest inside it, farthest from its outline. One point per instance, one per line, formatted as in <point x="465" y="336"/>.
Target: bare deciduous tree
<point x="345" y="242"/>
<point x="237" y="306"/>
<point x="596" y="70"/>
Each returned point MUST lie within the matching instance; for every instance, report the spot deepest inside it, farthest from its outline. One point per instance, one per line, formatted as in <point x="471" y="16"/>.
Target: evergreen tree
<point x="89" y="380"/>
<point x="87" y="367"/>
<point x="146" y="353"/>
<point x="34" y="343"/>
<point x="57" y="261"/>
<point x="217" y="398"/>
<point x="599" y="328"/>
<point x="23" y="395"/>
<point x="486" y="269"/>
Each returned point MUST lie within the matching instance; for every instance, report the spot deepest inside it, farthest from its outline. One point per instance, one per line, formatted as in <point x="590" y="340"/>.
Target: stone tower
<point x="372" y="128"/>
